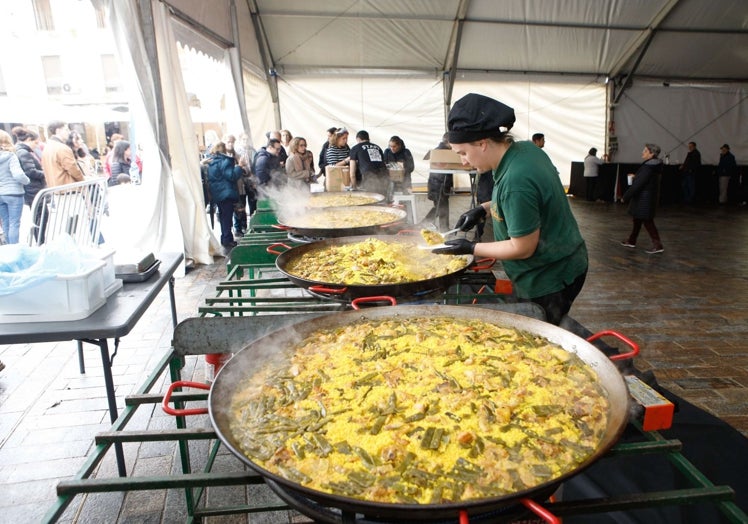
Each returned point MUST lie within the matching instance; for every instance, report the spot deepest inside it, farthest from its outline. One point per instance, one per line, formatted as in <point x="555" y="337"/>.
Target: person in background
<point x="439" y="187"/>
<point x="539" y="140"/>
<point x="322" y="161"/>
<point x="121" y="158"/>
<point x="246" y="154"/>
<point x="27" y="142"/>
<point x="12" y="181"/>
<point x="300" y="164"/>
<point x="535" y="233"/>
<point x="368" y="170"/>
<point x="398" y="153"/>
<point x="688" y="170"/>
<point x="240" y="207"/>
<point x="726" y="169"/>
<point x="338" y="153"/>
<point x="58" y="160"/>
<point x="643" y="196"/>
<point x="223" y="174"/>
<point x="267" y="164"/>
<point x="282" y="153"/>
<point x="286" y="137"/>
<point x="116" y="137"/>
<point x="591" y="171"/>
<point x="86" y="162"/>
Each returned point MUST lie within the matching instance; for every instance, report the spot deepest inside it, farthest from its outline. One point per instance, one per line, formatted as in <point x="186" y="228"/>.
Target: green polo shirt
<point x="528" y="195"/>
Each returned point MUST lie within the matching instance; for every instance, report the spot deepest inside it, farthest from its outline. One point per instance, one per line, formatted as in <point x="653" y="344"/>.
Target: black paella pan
<point x="351" y="198"/>
<point x="346" y="291"/>
<point x="342" y="221"/>
<point x="277" y="347"/>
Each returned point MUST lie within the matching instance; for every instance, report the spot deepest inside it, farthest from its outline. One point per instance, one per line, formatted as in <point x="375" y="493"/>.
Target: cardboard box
<point x="337" y="178"/>
<point x="446" y="159"/>
<point x="396" y="171"/>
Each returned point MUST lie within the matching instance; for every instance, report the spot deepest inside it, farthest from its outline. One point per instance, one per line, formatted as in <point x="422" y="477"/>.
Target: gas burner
<point x="302" y="239"/>
<point x="331" y="515"/>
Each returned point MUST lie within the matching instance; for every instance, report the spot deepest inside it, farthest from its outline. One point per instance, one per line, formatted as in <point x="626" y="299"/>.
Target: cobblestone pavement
<point x="687" y="307"/>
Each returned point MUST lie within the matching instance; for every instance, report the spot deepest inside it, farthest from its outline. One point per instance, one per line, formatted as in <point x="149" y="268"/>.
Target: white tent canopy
<point x="637" y="52"/>
<point x="580" y="71"/>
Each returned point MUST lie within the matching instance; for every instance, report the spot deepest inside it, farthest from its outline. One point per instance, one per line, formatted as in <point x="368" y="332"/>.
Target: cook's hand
<point x="469" y="219"/>
<point x="458" y="246"/>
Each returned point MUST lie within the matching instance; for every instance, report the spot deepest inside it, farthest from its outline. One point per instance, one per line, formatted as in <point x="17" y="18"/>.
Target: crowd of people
<point x="28" y="164"/>
<point x="286" y="162"/>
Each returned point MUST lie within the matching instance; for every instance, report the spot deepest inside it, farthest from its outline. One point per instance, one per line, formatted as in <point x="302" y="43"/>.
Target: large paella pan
<point x="343" y="199"/>
<point x="392" y="457"/>
<point x="365" y="266"/>
<point x="342" y="221"/>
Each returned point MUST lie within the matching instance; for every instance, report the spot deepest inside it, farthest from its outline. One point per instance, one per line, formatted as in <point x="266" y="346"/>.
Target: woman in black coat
<point x="643" y="195"/>
<point x="26" y="143"/>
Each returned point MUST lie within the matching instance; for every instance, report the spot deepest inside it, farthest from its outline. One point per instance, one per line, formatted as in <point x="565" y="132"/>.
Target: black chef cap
<point x="475" y="116"/>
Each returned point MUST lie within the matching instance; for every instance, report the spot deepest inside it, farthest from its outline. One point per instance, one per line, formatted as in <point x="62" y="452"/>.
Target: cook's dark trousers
<point x="558" y="304"/>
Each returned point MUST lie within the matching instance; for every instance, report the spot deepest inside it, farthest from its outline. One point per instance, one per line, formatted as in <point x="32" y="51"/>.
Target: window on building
<point x="43" y="15"/>
<point x="109" y="66"/>
<point x="53" y="74"/>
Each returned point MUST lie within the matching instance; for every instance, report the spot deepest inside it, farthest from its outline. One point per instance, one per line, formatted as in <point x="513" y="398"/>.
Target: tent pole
<point x="453" y="52"/>
<point x="149" y="42"/>
<point x="267" y="60"/>
<point x="236" y="66"/>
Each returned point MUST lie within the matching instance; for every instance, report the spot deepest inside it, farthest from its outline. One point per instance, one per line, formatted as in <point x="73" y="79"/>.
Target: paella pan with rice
<point x="431" y="407"/>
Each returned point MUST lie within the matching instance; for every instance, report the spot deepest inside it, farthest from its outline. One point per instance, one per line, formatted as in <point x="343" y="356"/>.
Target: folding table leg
<point x="81" y="362"/>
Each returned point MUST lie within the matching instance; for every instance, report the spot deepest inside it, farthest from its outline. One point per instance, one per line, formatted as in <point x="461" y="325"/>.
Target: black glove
<point x="458" y="246"/>
<point x="469" y="219"/>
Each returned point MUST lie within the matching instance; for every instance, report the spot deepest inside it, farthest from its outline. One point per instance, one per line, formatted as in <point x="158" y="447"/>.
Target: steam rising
<point x="289" y="202"/>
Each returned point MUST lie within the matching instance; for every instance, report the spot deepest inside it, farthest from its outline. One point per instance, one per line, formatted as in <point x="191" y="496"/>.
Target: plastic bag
<point x="23" y="267"/>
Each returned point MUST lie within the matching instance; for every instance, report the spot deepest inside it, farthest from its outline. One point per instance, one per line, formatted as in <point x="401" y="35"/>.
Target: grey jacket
<point x="12" y="177"/>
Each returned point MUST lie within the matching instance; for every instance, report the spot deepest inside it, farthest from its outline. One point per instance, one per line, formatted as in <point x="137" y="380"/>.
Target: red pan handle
<point x="530" y="504"/>
<point x="182" y="412"/>
<point x="328" y="290"/>
<point x="483" y="263"/>
<point x="540" y="511"/>
<point x="633" y="345"/>
<point x="278" y="226"/>
<point x="361" y="300"/>
<point x="271" y="248"/>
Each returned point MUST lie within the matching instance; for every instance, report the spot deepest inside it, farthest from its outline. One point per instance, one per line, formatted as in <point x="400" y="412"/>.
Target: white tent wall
<point x="259" y="108"/>
<point x="671" y="116"/>
<point x="411" y="108"/>
<point x="570" y="112"/>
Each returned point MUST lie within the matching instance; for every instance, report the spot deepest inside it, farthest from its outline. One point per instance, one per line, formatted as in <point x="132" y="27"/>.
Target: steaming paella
<point x="372" y="262"/>
<point x="344" y="217"/>
<point x="323" y="200"/>
<point x="422" y="410"/>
